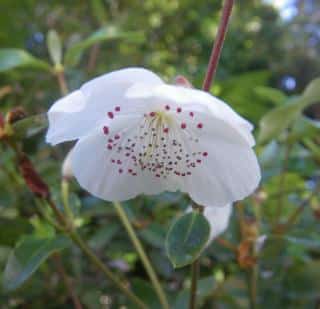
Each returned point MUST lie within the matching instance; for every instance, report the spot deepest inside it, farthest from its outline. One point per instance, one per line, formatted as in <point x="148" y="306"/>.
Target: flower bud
<point x="32" y="179"/>
<point x="182" y="81"/>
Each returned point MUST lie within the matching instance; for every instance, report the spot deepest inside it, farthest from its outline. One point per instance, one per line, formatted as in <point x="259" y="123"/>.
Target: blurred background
<point x="270" y="57"/>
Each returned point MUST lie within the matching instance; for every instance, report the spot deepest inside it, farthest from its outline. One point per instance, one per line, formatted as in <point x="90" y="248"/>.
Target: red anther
<point x="191" y="114"/>
<point x="110" y="115"/>
<point x="200" y="126"/>
<point x="120" y="170"/>
<point x="179" y="110"/>
<point x="152" y="114"/>
<point x="109" y="146"/>
<point x="205" y="154"/>
<point x="117" y="136"/>
<point x="167" y="107"/>
<point x="105" y="130"/>
<point x="117" y="109"/>
<point x="166" y="130"/>
<point x="183" y="125"/>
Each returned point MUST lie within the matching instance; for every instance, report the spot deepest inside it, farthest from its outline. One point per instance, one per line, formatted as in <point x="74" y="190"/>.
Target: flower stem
<point x="105" y="270"/>
<point x="252" y="286"/>
<point x="62" y="82"/>
<point x="194" y="284"/>
<point x="211" y="70"/>
<point x="144" y="258"/>
<point x="218" y="43"/>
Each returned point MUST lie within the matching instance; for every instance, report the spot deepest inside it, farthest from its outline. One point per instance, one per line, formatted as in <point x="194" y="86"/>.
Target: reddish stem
<point x="218" y="43"/>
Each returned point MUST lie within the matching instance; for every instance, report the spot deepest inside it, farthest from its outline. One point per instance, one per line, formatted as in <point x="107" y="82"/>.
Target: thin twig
<point x="195" y="268"/>
<point x="212" y="67"/>
<point x="143" y="256"/>
<point x="218" y="43"/>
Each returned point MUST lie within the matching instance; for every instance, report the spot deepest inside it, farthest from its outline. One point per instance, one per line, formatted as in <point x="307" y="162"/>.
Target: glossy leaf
<point x="26" y="258"/>
<point x="73" y="54"/>
<point x="54" y="47"/>
<point x="11" y="58"/>
<point x="187" y="238"/>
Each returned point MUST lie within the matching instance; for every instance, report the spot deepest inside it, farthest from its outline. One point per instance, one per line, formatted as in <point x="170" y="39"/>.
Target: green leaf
<point x="154" y="234"/>
<point x="303" y="128"/>
<point x="26" y="258"/>
<point x="11" y="58"/>
<point x="144" y="291"/>
<point x="73" y="54"/>
<point x="280" y="118"/>
<point x="312" y="92"/>
<point x="54" y="47"/>
<point x="30" y="126"/>
<point x="187" y="238"/>
<point x="271" y="94"/>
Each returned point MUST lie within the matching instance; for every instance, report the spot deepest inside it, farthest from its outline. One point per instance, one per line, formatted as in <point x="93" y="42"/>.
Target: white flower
<point x="218" y="218"/>
<point x="137" y="135"/>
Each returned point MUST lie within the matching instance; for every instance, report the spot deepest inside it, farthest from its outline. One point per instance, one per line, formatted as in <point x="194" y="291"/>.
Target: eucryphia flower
<point x="136" y="134"/>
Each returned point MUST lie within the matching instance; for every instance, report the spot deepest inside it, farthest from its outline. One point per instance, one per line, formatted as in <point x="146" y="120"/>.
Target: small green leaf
<point x="26" y="258"/>
<point x="54" y="47"/>
<point x="187" y="238"/>
<point x="280" y="118"/>
<point x="73" y="54"/>
<point x="312" y="92"/>
<point x="11" y="58"/>
<point x="30" y="126"/>
<point x="271" y="94"/>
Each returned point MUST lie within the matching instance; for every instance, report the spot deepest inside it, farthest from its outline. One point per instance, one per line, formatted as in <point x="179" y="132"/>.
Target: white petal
<point x="93" y="168"/>
<point x="74" y="115"/>
<point x="228" y="169"/>
<point x="65" y="119"/>
<point x="218" y="218"/>
<point x="186" y="96"/>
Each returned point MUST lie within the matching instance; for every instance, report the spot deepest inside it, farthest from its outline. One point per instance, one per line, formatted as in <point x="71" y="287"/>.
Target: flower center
<point x="163" y="144"/>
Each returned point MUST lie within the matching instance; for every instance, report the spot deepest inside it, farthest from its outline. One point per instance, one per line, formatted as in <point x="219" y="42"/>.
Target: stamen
<point x="158" y="146"/>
